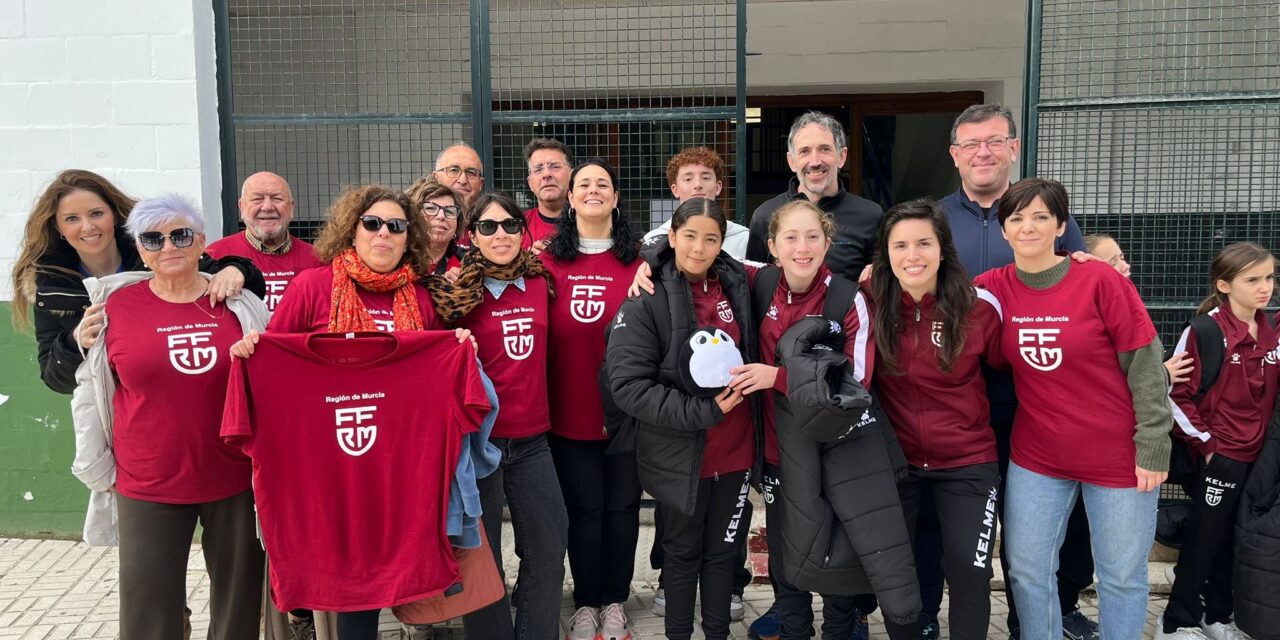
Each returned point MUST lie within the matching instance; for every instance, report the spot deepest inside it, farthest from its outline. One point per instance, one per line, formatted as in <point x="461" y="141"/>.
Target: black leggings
<point x="704" y="547"/>
<point x="358" y="625"/>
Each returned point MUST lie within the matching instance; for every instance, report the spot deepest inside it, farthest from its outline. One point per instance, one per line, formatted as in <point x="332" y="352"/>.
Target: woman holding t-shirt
<point x="1060" y="318"/>
<point x="591" y="257"/>
<point x="695" y="443"/>
<point x="503" y="295"/>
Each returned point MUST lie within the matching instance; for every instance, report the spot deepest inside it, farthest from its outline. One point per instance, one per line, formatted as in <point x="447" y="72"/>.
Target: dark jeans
<point x="526" y="481"/>
<point x="155" y="543"/>
<point x="602" y="496"/>
<point x="703" y="548"/>
<point x="358" y="625"/>
<point x="1205" y="563"/>
<point x="795" y="607"/>
<point x="741" y="575"/>
<point x="965" y="499"/>
<point x="1075" y="557"/>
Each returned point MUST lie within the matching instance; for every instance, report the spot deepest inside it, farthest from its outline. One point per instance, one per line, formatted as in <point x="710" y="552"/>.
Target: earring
<point x="617" y="213"/>
<point x="573" y="213"/>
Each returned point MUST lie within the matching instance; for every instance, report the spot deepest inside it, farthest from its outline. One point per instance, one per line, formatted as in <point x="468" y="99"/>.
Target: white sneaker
<point x="1182" y="633"/>
<point x="1224" y="631"/>
<point x="584" y="624"/>
<point x="613" y="623"/>
<point x="660" y="603"/>
<point x="735" y="607"/>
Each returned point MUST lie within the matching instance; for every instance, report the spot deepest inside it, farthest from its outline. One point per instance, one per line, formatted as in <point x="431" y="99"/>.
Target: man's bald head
<point x="459" y="167"/>
<point x="266" y="207"/>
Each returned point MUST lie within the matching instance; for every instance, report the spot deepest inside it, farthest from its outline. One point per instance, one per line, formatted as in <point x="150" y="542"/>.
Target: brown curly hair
<point x="339" y="231"/>
<point x="695" y="155"/>
<point x="426" y="188"/>
<point x="41" y="234"/>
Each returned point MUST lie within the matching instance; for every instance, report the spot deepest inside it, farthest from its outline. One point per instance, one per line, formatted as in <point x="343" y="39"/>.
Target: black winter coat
<point x="61" y="300"/>
<point x="644" y="379"/>
<point x="842" y="527"/>
<point x="1256" y="582"/>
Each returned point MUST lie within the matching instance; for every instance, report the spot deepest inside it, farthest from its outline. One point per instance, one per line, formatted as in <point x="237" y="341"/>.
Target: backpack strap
<point x="1210" y="349"/>
<point x="762" y="292"/>
<point x="840" y="293"/>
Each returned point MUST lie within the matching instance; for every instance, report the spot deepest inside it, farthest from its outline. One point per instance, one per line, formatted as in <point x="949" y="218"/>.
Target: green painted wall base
<point x="39" y="497"/>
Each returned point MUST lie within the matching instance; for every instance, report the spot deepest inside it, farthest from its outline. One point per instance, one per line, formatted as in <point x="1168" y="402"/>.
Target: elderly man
<point x="816" y="151"/>
<point x="266" y="207"/>
<point x="459" y="167"/>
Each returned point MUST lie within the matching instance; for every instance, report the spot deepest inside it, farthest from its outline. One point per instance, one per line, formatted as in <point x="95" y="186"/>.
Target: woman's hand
<point x="452" y="274"/>
<point x="750" y="378"/>
<point x="1081" y="256"/>
<point x="90" y="327"/>
<point x="465" y="334"/>
<point x="225" y="284"/>
<point x="865" y="276"/>
<point x="1179" y="367"/>
<point x="244" y="347"/>
<point x="1150" y="480"/>
<point x="538" y="247"/>
<point x="728" y="399"/>
<point x="642" y="280"/>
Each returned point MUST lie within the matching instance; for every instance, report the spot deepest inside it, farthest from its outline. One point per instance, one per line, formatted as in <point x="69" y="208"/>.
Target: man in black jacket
<point x="816" y="151"/>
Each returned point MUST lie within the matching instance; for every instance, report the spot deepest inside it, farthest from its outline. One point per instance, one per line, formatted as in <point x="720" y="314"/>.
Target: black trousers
<point x="1075" y="557"/>
<point x="965" y="499"/>
<point x="155" y="543"/>
<point x="358" y="625"/>
<point x="702" y="549"/>
<point x="1208" y="552"/>
<point x="741" y="577"/>
<point x="602" y="497"/>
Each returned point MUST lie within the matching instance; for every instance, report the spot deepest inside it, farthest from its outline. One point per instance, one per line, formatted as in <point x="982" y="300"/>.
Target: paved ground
<point x="56" y="589"/>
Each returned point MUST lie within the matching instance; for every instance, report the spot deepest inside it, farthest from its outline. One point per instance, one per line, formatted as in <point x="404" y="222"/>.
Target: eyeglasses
<point x="537" y="169"/>
<point x="453" y="171"/>
<point x="450" y="211"/>
<point x="373" y="224"/>
<point x="154" y="240"/>
<point x="490" y="227"/>
<point x="970" y="147"/>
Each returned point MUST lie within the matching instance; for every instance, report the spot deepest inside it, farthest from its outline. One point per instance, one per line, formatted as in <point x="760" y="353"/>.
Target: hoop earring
<point x="617" y="213"/>
<point x="573" y="213"/>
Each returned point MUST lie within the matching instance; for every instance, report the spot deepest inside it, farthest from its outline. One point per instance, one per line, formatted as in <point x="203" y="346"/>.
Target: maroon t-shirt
<point x="305" y="309"/>
<point x="537" y="228"/>
<point x="277" y="270"/>
<point x="730" y="445"/>
<point x="354" y="443"/>
<point x="589" y="291"/>
<point x="1075" y="412"/>
<point x="511" y="336"/>
<point x="171" y="361"/>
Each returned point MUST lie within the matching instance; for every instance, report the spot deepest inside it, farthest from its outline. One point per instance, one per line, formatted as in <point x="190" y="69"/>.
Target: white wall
<point x="125" y="88"/>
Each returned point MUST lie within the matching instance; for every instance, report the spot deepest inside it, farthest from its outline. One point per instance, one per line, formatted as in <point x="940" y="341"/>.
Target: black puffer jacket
<point x="843" y="531"/>
<point x="61" y="299"/>
<point x="644" y="379"/>
<point x="1257" y="569"/>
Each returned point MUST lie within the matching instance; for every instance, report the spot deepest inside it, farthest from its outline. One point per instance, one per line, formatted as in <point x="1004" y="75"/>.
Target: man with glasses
<point x="459" y="168"/>
<point x="984" y="147"/>
<point x="266" y="207"/>
<point x="550" y="163"/>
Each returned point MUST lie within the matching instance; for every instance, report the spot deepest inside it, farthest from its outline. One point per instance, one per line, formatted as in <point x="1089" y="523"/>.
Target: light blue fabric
<point x="496" y="286"/>
<point x="477" y="459"/>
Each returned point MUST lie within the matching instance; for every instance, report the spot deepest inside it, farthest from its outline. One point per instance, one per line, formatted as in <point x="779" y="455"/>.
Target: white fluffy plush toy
<point x="714" y="355"/>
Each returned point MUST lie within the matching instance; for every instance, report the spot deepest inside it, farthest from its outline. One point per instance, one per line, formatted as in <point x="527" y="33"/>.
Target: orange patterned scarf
<point x="348" y="313"/>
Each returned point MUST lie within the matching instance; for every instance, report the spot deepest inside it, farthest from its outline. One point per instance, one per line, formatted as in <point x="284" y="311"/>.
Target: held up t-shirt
<point x="171" y="361"/>
<point x="354" y="442"/>
<point x="277" y="270"/>
<point x="1075" y="414"/>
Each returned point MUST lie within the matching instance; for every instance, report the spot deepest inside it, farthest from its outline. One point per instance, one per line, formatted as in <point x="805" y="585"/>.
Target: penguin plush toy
<point x="705" y="362"/>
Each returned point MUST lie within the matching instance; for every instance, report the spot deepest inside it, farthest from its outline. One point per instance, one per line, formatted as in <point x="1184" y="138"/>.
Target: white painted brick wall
<point x="121" y="87"/>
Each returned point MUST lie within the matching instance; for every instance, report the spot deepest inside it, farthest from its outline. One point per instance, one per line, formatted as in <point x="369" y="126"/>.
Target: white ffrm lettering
<point x="187" y="356"/>
<point x="585" y="304"/>
<point x="358" y="439"/>
<point x="516" y="338"/>
<point x="1031" y="345"/>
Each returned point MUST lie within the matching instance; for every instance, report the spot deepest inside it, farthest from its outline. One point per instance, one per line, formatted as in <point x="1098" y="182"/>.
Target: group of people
<point x="857" y="367"/>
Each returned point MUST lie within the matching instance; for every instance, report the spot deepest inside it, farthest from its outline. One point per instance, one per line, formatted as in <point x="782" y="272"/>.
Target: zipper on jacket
<point x="984" y="242"/>
<point x="906" y="372"/>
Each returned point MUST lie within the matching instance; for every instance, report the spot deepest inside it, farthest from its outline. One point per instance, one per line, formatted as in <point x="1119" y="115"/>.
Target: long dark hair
<point x="954" y="300"/>
<point x="1229" y="263"/>
<point x="564" y="244"/>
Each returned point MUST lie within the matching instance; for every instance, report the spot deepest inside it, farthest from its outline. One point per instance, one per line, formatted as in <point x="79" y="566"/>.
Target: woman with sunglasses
<point x="503" y="296"/>
<point x="592" y="256"/>
<point x="147" y="416"/>
<point x="375" y="245"/>
<point x="77" y="230"/>
<point x="441" y="207"/>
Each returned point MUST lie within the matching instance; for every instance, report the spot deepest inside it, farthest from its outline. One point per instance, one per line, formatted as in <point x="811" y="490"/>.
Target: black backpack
<point x="840" y="292"/>
<point x="1211" y="350"/>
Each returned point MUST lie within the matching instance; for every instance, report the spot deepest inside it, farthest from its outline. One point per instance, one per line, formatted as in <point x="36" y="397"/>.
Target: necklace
<point x="196" y="304"/>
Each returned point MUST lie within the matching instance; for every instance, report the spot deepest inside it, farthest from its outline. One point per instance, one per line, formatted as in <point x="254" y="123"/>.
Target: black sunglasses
<point x="490" y="227"/>
<point x="373" y="224"/>
<point x="154" y="240"/>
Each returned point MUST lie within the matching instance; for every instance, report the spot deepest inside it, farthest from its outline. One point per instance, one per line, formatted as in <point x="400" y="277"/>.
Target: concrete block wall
<point x="126" y="88"/>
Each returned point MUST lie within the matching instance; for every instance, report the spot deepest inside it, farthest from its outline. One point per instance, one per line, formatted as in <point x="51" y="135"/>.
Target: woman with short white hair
<point x="148" y="410"/>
